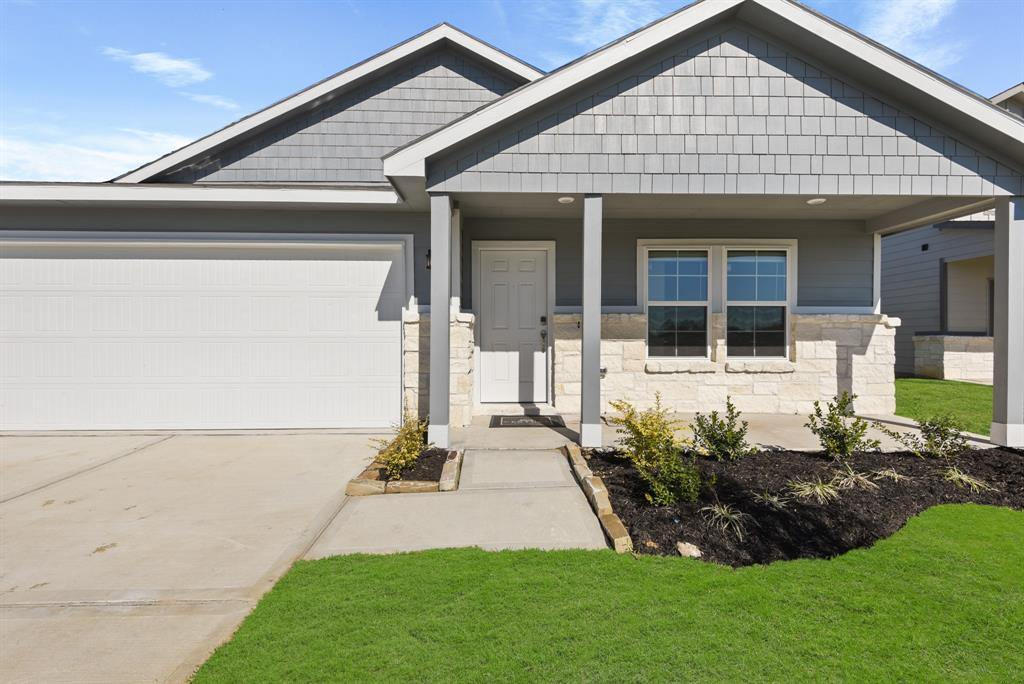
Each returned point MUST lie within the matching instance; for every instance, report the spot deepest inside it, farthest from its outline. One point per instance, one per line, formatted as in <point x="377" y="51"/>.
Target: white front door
<point x="513" y="325"/>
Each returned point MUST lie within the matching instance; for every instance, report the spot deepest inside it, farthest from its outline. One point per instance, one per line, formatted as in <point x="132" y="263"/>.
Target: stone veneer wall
<point x="416" y="367"/>
<point x="829" y="353"/>
<point x="954" y="357"/>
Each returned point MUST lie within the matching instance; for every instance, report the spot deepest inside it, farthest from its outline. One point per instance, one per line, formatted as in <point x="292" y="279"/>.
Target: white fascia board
<point x="926" y="213"/>
<point x="104" y="193"/>
<point x="326" y="88"/>
<point x="410" y="160"/>
<point x="490" y="53"/>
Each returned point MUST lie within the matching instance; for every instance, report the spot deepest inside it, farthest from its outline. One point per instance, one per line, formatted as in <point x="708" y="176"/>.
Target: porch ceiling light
<point x="566" y="200"/>
<point x="815" y="201"/>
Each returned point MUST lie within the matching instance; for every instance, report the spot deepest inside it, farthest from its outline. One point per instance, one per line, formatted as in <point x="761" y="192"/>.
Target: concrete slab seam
<point x="129" y="452"/>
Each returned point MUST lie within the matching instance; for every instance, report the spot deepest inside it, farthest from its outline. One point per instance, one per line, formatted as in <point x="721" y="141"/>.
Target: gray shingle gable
<point x="733" y="113"/>
<point x="343" y="141"/>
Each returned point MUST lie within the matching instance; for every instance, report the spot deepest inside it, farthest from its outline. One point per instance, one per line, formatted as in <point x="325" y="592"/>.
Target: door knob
<point x="543" y="333"/>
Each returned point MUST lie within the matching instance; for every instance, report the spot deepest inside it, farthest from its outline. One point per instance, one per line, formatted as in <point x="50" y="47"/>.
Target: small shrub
<point x="840" y="432"/>
<point x="401" y="451"/>
<point x="962" y="479"/>
<point x="848" y="478"/>
<point x="822" y="492"/>
<point x="724" y="439"/>
<point x="776" y="502"/>
<point x="649" y="442"/>
<point x="727" y="518"/>
<point x="889" y="474"/>
<point x="940" y="437"/>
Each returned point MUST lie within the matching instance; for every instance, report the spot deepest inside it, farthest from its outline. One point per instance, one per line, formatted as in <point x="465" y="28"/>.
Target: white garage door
<point x="212" y="337"/>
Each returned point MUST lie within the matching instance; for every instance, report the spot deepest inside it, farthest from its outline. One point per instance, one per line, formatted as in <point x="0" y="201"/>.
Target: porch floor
<point x="767" y="430"/>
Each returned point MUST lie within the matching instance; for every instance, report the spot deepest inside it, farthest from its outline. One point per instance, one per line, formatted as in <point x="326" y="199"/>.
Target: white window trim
<point x="644" y="252"/>
<point x="718" y="279"/>
<point x="789" y="247"/>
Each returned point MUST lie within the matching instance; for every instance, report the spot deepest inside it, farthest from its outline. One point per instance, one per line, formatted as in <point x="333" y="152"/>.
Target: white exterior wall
<point x="967" y="294"/>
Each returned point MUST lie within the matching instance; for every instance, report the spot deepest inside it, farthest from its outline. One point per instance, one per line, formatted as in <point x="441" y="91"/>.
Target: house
<point x="938" y="280"/>
<point x="695" y="210"/>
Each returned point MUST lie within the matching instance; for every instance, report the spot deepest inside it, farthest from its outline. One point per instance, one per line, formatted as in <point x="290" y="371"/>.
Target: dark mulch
<point x="428" y="466"/>
<point x="803" y="529"/>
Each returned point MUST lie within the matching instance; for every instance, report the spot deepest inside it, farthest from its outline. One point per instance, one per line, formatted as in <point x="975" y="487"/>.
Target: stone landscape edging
<point x="597" y="496"/>
<point x="368" y="482"/>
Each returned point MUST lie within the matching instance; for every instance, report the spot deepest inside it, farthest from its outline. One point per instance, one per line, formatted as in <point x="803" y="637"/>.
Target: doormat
<point x="527" y="421"/>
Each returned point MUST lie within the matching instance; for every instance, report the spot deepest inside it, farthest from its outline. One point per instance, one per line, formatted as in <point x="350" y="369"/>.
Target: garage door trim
<point x="24" y="243"/>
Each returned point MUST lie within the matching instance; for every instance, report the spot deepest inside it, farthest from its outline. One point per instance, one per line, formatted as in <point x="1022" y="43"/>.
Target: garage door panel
<point x="137" y="338"/>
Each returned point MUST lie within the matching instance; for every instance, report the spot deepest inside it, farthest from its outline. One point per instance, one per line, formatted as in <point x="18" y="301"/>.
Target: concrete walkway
<point x="507" y="499"/>
<point x="128" y="558"/>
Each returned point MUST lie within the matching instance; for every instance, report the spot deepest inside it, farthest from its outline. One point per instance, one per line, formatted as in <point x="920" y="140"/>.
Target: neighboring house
<point x="693" y="210"/>
<point x="1011" y="99"/>
<point x="939" y="281"/>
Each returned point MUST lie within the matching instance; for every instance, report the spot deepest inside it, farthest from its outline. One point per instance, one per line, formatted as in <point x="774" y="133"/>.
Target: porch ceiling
<point x="697" y="206"/>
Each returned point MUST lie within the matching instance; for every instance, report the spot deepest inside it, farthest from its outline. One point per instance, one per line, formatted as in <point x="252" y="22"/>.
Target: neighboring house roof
<point x="1011" y="99"/>
<point x="330" y="88"/>
<point x="1016" y="91"/>
<point x="831" y="42"/>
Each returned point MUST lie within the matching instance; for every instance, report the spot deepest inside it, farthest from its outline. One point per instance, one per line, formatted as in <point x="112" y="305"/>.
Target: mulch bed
<point x="428" y="466"/>
<point x="803" y="529"/>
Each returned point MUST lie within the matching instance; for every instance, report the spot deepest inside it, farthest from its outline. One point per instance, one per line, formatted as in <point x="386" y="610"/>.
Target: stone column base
<point x="416" y="367"/>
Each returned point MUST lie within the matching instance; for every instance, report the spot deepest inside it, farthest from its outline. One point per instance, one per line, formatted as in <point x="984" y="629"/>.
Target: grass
<point x="942" y="600"/>
<point x="921" y="398"/>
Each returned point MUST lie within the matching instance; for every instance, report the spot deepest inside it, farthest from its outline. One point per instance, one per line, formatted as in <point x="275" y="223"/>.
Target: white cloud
<point x="914" y="28"/>
<point x="602" y="21"/>
<point x="90" y="157"/>
<point x="499" y="11"/>
<point x="171" y="71"/>
<point x="588" y="24"/>
<point x="212" y="100"/>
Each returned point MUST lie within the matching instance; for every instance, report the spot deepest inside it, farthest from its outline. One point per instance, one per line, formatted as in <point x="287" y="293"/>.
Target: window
<point x="677" y="302"/>
<point x="757" y="303"/>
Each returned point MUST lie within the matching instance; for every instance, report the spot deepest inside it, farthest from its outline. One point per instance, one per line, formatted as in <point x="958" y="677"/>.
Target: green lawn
<point x="921" y="398"/>
<point x="942" y="600"/>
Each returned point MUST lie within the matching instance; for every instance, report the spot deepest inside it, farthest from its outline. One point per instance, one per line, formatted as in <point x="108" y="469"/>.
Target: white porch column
<point x="590" y="400"/>
<point x="440" y="297"/>
<point x="1008" y="342"/>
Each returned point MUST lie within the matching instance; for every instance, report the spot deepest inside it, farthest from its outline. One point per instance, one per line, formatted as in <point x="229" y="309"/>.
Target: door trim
<point x="476" y="248"/>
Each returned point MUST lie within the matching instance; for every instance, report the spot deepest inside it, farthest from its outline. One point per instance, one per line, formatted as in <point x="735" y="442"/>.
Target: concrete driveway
<point x="129" y="557"/>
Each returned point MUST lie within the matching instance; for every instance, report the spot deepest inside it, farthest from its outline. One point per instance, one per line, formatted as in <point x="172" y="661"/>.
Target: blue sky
<point x="91" y="89"/>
